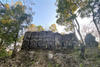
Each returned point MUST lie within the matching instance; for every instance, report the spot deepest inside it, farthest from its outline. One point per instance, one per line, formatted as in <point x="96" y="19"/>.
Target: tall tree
<point x="17" y="18"/>
<point x="5" y="25"/>
<point x="91" y="9"/>
<point x="66" y="14"/>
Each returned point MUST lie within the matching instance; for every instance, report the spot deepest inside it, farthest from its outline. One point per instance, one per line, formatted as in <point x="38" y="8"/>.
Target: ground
<point x="47" y="58"/>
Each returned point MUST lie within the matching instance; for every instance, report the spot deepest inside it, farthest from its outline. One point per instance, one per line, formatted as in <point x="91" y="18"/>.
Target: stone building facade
<point x="48" y="40"/>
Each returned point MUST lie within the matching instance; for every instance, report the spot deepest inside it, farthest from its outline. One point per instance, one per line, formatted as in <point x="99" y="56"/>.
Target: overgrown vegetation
<point x="4" y="53"/>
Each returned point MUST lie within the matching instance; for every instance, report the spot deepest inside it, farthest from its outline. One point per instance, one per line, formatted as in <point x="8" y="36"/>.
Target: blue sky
<point x="45" y="12"/>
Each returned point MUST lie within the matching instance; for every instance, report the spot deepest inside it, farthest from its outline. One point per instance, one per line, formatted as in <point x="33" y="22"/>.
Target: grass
<point x="50" y="65"/>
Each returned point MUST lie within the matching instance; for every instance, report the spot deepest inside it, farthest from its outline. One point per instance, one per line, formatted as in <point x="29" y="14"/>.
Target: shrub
<point x="3" y="52"/>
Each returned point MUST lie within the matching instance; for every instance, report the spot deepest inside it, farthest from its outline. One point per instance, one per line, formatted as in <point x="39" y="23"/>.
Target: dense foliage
<point x="13" y="19"/>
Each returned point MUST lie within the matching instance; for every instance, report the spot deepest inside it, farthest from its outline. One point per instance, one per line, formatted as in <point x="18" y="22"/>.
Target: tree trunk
<point x="15" y="47"/>
<point x="97" y="28"/>
<point x="78" y="30"/>
<point x="95" y="23"/>
<point x="14" y="50"/>
<point x="2" y="4"/>
<point x="94" y="20"/>
<point x="82" y="44"/>
<point x="1" y="43"/>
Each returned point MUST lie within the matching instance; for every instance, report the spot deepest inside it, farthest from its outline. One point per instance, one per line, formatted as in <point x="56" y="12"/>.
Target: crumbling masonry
<point x="48" y="40"/>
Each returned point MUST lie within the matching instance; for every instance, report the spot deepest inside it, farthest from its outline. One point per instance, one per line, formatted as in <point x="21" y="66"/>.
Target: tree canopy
<point x="34" y="28"/>
<point x="53" y="28"/>
<point x="13" y="19"/>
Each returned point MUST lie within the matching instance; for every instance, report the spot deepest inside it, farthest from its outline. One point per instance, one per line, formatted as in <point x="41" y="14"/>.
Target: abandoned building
<point x="48" y="40"/>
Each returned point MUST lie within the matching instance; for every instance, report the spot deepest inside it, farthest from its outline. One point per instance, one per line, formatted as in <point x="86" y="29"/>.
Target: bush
<point x="3" y="52"/>
<point x="81" y="65"/>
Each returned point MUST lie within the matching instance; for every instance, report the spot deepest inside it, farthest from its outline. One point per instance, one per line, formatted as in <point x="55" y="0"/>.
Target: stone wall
<point x="48" y="40"/>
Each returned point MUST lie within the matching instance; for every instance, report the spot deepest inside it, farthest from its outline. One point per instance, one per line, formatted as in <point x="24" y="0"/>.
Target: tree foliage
<point x="34" y="28"/>
<point x="40" y="28"/>
<point x="91" y="9"/>
<point x="13" y="20"/>
<point x="67" y="11"/>
<point x="27" y="3"/>
<point x="66" y="14"/>
<point x="53" y="28"/>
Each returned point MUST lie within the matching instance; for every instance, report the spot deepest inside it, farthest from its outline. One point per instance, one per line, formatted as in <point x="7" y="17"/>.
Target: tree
<point x="92" y="9"/>
<point x="53" y="28"/>
<point x="67" y="16"/>
<point x="69" y="27"/>
<point x="32" y="28"/>
<point x="27" y="3"/>
<point x="22" y="19"/>
<point x="40" y="28"/>
<point x="13" y="20"/>
<point x="6" y="34"/>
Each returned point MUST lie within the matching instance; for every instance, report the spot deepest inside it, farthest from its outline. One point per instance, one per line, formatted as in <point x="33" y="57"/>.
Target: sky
<point x="45" y="12"/>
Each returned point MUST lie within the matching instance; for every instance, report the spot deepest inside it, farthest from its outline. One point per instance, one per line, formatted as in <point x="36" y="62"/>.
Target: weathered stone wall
<point x="48" y="40"/>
